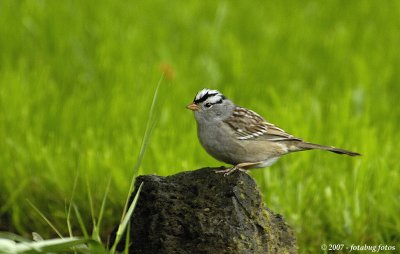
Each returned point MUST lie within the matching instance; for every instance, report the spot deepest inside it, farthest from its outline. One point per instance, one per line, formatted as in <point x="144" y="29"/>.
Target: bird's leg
<point x="241" y="166"/>
<point x="228" y="171"/>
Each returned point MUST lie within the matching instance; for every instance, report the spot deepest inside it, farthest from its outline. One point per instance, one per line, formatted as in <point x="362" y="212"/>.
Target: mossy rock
<point x="204" y="212"/>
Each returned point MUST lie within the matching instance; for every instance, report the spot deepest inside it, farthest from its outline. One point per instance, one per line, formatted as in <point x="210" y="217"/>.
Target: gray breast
<point x="220" y="143"/>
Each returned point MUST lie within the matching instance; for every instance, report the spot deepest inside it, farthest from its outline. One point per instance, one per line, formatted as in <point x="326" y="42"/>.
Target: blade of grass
<point x="127" y="243"/>
<point x="96" y="229"/>
<point x="80" y="221"/>
<point x="53" y="245"/>
<point x="147" y="132"/>
<point x="145" y="141"/>
<point x="13" y="237"/>
<point x="70" y="206"/>
<point x="45" y="218"/>
<point x="150" y="125"/>
<point x="90" y="202"/>
<point x="125" y="220"/>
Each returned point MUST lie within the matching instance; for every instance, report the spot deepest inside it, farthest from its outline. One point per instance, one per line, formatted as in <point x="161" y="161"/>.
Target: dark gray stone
<point x="204" y="212"/>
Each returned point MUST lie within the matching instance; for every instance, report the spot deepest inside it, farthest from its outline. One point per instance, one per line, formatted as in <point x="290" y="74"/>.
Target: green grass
<point x="77" y="80"/>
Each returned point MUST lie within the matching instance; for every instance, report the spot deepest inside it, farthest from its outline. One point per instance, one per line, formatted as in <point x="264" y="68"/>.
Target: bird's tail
<point x="308" y="146"/>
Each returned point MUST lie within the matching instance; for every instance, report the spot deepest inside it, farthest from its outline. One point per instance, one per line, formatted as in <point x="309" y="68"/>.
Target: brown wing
<point x="248" y="125"/>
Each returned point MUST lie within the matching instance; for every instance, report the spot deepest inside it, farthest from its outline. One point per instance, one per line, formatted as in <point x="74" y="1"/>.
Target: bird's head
<point x="211" y="105"/>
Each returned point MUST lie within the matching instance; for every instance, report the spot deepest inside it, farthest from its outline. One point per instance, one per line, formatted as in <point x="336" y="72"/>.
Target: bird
<point x="242" y="138"/>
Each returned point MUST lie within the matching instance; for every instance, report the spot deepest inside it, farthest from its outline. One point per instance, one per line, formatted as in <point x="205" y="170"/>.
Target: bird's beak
<point x="192" y="106"/>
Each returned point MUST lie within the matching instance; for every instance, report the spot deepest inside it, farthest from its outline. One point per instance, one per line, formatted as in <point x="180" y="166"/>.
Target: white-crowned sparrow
<point x="241" y="137"/>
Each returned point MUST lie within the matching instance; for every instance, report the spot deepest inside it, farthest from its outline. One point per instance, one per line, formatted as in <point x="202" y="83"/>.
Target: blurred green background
<point x="77" y="79"/>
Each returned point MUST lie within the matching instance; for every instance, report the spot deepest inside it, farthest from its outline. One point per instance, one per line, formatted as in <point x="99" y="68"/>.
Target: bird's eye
<point x="207" y="105"/>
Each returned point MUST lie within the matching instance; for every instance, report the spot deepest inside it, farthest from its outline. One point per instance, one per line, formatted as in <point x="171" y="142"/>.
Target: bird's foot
<point x="244" y="166"/>
<point x="229" y="171"/>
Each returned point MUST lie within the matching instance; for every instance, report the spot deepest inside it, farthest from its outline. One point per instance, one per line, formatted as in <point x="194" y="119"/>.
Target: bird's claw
<point x="229" y="171"/>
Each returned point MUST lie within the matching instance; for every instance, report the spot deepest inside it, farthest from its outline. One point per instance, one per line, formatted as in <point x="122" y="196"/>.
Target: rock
<point x="204" y="212"/>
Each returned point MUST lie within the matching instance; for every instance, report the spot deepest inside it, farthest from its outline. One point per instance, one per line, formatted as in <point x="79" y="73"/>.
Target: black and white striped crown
<point x="211" y="96"/>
